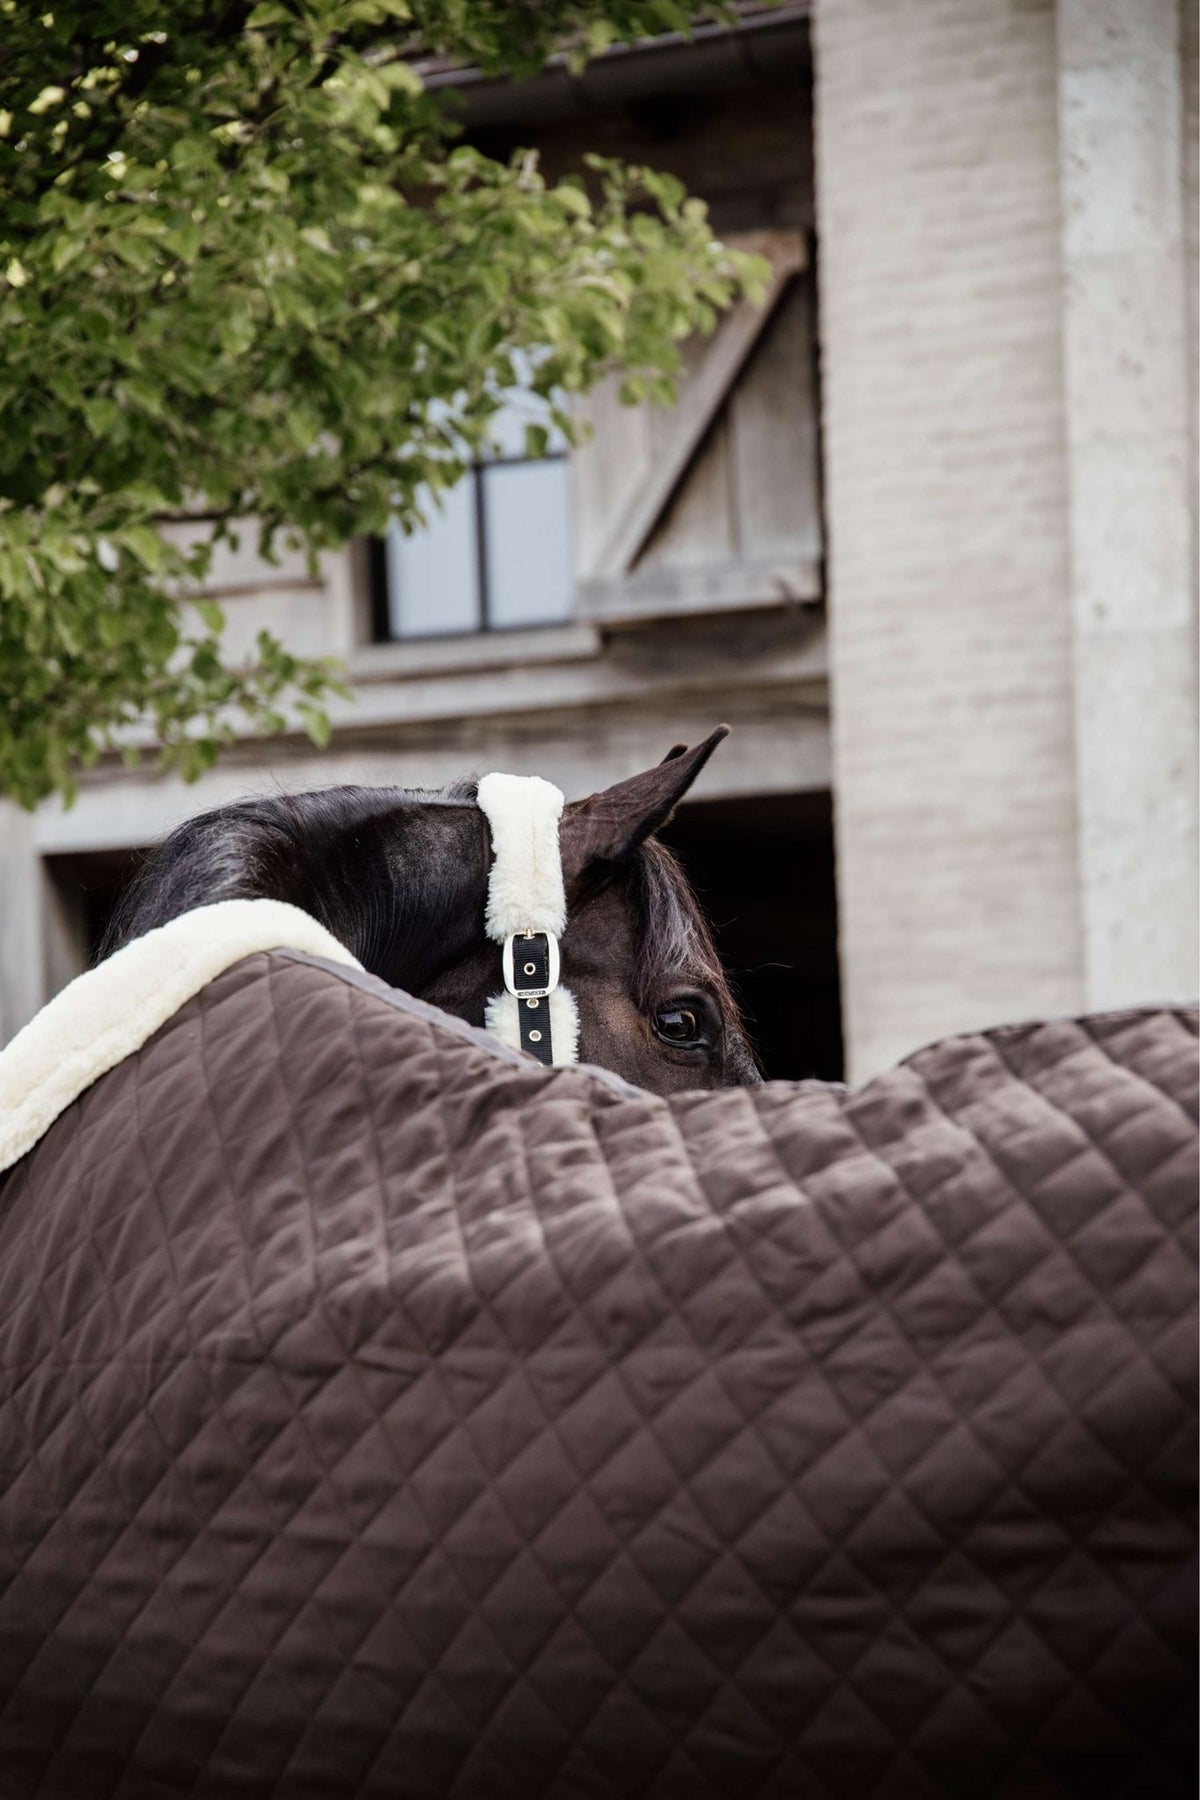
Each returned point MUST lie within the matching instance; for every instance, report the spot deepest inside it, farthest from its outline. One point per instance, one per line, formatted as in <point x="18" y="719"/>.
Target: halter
<point x="526" y="915"/>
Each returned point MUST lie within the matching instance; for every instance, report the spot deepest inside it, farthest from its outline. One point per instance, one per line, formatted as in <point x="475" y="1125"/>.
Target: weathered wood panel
<point x="727" y="484"/>
<point x="608" y="469"/>
<point x="773" y="436"/>
<point x="699" y="526"/>
<point x="712" y="368"/>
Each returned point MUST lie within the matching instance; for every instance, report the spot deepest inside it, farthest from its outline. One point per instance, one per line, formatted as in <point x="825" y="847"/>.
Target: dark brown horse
<point x="400" y="877"/>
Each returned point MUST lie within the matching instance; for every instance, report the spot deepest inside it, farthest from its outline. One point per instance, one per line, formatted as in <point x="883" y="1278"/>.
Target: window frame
<point x="382" y="631"/>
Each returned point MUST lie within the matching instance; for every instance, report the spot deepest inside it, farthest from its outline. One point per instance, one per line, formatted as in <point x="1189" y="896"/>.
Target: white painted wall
<point x="946" y="506"/>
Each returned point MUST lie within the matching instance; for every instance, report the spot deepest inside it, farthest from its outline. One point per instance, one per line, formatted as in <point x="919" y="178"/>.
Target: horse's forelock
<point x="674" y="938"/>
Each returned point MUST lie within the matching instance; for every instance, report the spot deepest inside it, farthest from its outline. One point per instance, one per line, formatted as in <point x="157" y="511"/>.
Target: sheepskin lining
<point x="109" y="1012"/>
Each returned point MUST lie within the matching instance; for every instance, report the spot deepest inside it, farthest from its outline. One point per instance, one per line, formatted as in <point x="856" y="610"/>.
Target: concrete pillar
<point x="951" y="641"/>
<point x="1131" y="479"/>
<point x="22" y="972"/>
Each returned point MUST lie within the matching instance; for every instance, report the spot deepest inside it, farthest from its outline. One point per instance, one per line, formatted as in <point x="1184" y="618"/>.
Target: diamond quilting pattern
<point x="381" y="1415"/>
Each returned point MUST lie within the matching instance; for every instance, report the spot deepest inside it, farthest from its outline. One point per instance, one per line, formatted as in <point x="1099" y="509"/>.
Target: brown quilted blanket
<point x="383" y="1416"/>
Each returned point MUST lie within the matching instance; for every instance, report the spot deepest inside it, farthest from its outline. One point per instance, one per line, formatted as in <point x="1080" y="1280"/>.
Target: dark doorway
<point x="763" y="867"/>
<point x="86" y="888"/>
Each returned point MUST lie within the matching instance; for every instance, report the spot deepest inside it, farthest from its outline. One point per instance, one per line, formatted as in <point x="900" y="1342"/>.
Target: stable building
<point x="921" y="529"/>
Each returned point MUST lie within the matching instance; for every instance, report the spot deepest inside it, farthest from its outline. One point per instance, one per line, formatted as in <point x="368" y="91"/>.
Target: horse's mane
<point x="675" y="933"/>
<point x="369" y="863"/>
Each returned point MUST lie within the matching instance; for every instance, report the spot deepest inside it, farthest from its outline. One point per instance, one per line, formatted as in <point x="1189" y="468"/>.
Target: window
<point x="496" y="554"/>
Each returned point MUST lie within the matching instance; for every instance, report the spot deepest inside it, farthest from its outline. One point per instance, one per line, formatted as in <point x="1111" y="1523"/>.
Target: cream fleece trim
<point x="109" y="1012"/>
<point x="526" y="893"/>
<point x="502" y="1016"/>
<point x="525" y="888"/>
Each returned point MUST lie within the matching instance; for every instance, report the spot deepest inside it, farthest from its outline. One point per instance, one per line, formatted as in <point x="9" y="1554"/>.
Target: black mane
<point x="398" y="875"/>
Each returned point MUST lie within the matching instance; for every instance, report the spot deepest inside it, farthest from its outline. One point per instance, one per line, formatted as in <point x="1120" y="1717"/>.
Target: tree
<point x="246" y="270"/>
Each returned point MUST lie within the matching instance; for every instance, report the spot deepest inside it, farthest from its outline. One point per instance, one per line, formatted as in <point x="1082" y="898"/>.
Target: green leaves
<point x="247" y="272"/>
<point x="145" y="544"/>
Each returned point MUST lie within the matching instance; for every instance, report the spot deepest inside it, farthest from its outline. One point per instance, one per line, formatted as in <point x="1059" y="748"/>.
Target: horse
<point x="400" y="877"/>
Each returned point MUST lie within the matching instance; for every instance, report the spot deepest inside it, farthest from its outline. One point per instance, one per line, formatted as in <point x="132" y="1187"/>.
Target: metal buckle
<point x="519" y="983"/>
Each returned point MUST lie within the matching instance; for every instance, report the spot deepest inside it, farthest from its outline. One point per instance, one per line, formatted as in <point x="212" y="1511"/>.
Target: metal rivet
<point x="531" y="968"/>
<point x="535" y="1037"/>
<point x="532" y="1005"/>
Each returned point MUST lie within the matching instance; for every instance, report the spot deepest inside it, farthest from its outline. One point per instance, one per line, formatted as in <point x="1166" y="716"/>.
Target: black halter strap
<point x="531" y="975"/>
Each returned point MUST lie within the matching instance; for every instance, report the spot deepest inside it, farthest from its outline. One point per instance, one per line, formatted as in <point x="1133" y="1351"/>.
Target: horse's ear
<point x="608" y="827"/>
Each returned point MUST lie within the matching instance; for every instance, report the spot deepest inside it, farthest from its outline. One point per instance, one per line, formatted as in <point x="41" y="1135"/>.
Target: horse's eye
<point x="680" y="1025"/>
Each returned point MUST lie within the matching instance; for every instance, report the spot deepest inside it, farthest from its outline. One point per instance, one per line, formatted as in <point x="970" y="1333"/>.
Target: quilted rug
<point x="383" y="1416"/>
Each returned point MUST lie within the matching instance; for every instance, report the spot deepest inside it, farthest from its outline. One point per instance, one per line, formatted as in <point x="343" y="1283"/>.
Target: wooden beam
<point x="701" y="397"/>
<point x="658" y="593"/>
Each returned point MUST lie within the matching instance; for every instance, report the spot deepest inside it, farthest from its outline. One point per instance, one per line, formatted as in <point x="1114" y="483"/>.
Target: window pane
<point x="527" y="532"/>
<point x="432" y="577"/>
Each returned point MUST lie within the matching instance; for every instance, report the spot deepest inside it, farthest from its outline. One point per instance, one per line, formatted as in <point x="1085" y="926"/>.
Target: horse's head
<point x="653" y="1001"/>
<point x="401" y="877"/>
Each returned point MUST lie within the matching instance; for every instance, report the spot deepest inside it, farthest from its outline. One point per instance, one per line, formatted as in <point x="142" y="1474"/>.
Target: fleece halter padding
<point x="526" y="915"/>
